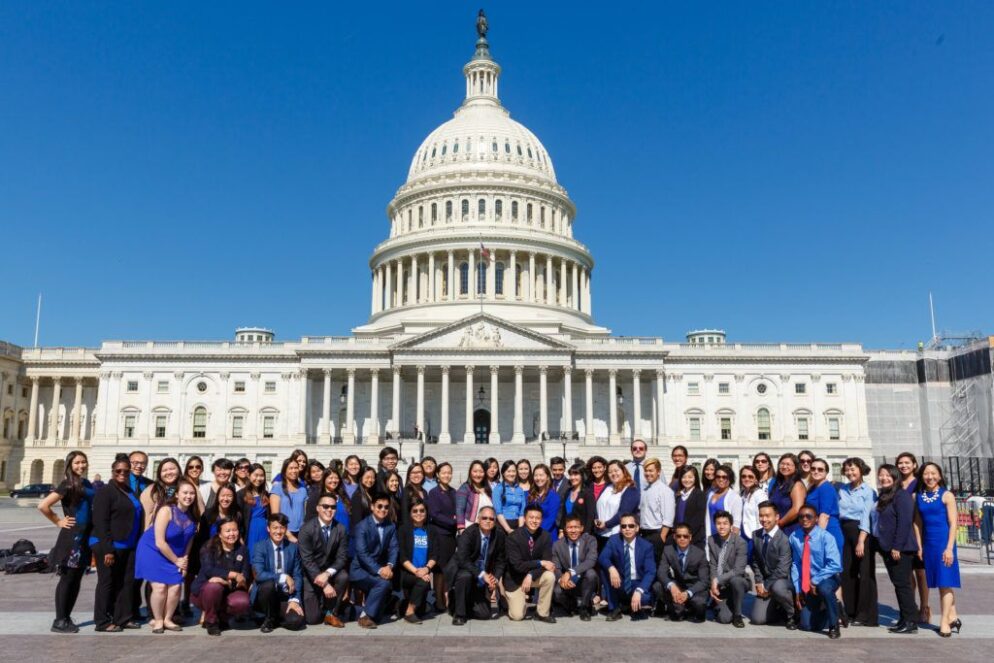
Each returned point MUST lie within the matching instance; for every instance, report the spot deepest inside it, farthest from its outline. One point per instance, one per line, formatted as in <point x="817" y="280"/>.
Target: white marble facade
<point x="481" y="329"/>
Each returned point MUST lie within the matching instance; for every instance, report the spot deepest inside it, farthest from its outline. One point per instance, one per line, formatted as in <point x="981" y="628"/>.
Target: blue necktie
<point x="683" y="562"/>
<point x="325" y="533"/>
<point x="626" y="560"/>
<point x="572" y="556"/>
<point x="482" y="562"/>
<point x="766" y="543"/>
<point x="638" y="475"/>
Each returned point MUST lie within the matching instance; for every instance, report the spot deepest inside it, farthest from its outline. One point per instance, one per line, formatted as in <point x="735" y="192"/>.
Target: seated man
<point x="475" y="568"/>
<point x="815" y="572"/>
<point x="628" y="568"/>
<point x="276" y="566"/>
<point x="727" y="553"/>
<point x="683" y="577"/>
<point x="529" y="564"/>
<point x="376" y="550"/>
<point x="771" y="562"/>
<point x="575" y="557"/>
<point x="323" y="547"/>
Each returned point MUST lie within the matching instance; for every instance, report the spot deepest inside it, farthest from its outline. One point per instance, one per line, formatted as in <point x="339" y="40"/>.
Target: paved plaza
<point x="26" y="613"/>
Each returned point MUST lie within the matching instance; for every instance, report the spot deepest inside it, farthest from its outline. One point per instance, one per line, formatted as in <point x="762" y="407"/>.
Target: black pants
<point x="315" y="603"/>
<point x="900" y="572"/>
<point x="415" y="590"/>
<point x="584" y="591"/>
<point x="272" y="603"/>
<point x="468" y="598"/>
<point x="695" y="607"/>
<point x="653" y="537"/>
<point x="859" y="576"/>
<point x="112" y="603"/>
<point x="67" y="591"/>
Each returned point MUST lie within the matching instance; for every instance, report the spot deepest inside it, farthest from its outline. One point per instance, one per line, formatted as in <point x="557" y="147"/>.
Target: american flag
<point x="485" y="252"/>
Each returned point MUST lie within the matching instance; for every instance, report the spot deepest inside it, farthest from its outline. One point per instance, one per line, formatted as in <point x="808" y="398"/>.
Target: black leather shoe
<point x="737" y="622"/>
<point x="458" y="621"/>
<point x="897" y="627"/>
<point x="63" y="626"/>
<point x="584" y="615"/>
<point x="213" y="629"/>
<point x="132" y="625"/>
<point x="614" y="615"/>
<point x="905" y="629"/>
<point x="547" y="619"/>
<point x="267" y="627"/>
<point x="834" y="634"/>
<point x="792" y="625"/>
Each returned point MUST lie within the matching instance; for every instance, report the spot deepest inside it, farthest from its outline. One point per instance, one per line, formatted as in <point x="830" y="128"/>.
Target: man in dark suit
<point x="276" y="566"/>
<point x="558" y="468"/>
<point x="628" y="569"/>
<point x="682" y="577"/>
<point x="727" y="555"/>
<point x="476" y="567"/>
<point x="771" y="562"/>
<point x="323" y="547"/>
<point x="575" y="556"/>
<point x="529" y="565"/>
<point x="376" y="551"/>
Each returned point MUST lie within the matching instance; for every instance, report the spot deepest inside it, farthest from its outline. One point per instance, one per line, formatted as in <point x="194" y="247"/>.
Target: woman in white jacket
<point x="752" y="494"/>
<point x="721" y="497"/>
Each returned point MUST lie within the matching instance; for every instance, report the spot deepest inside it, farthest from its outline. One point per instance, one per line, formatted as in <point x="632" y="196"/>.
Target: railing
<point x="10" y="350"/>
<point x="188" y="346"/>
<point x="976" y="525"/>
<point x="58" y="353"/>
<point x="718" y="348"/>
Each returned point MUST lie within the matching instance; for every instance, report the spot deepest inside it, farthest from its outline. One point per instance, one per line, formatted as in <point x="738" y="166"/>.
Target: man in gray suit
<point x="727" y="554"/>
<point x="682" y="577"/>
<point x="575" y="557"/>
<point x="771" y="561"/>
<point x="324" y="547"/>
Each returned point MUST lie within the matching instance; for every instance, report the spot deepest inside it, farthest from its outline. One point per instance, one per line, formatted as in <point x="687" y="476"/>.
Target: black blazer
<point x="113" y="517"/>
<point x="585" y="507"/>
<point x="521" y="562"/>
<point x="696" y="577"/>
<point x="895" y="529"/>
<point x="468" y="551"/>
<point x="316" y="556"/>
<point x="696" y="516"/>
<point x="405" y="539"/>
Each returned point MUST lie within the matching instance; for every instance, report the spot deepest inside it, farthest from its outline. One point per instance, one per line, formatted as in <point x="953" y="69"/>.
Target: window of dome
<point x="465" y="209"/>
<point x="498" y="208"/>
<point x="499" y="278"/>
<point x="541" y="217"/>
<point x="434" y="212"/>
<point x="464" y="278"/>
<point x="469" y="146"/>
<point x="518" y="272"/>
<point x="433" y="152"/>
<point x="424" y="157"/>
<point x="514" y="210"/>
<point x="528" y="213"/>
<point x="507" y="147"/>
<point x="421" y="216"/>
<point x="444" y="148"/>
<point x="519" y="149"/>
<point x="455" y="147"/>
<point x="448" y="210"/>
<point x="481" y="278"/>
<point x="529" y="152"/>
<point x="481" y="208"/>
<point x="493" y="146"/>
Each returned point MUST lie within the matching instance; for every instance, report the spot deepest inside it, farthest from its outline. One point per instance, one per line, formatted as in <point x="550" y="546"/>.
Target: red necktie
<point x="806" y="565"/>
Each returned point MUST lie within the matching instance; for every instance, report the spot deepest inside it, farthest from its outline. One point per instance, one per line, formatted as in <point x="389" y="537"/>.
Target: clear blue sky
<point x="790" y="171"/>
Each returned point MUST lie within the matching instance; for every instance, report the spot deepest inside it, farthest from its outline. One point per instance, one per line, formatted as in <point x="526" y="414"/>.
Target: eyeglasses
<point x="120" y="470"/>
<point x="418" y="511"/>
<point x="138" y="463"/>
<point x="759" y="461"/>
<point x="805" y="461"/>
<point x="638" y="448"/>
<point x="381" y="507"/>
<point x="195" y="467"/>
<point x="721" y="477"/>
<point x="628" y="526"/>
<point x="242" y="467"/>
<point x="819" y="469"/>
<point x="326" y="506"/>
<point x="681" y="536"/>
<point x="806" y="516"/>
<point x="486" y="518"/>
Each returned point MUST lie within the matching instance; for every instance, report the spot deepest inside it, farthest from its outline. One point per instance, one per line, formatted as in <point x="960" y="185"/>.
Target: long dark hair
<point x="214" y="547"/>
<point x="920" y="487"/>
<point x="74" y="482"/>
<point x="503" y="468"/>
<point x="340" y="493"/>
<point x="250" y="492"/>
<point x="710" y="462"/>
<point x="534" y="496"/>
<point x="887" y="495"/>
<point x="755" y="475"/>
<point x="787" y="484"/>
<point x="486" y="482"/>
<point x="693" y="470"/>
<point x="212" y="513"/>
<point x="348" y="478"/>
<point x="186" y="468"/>
<point x="160" y="490"/>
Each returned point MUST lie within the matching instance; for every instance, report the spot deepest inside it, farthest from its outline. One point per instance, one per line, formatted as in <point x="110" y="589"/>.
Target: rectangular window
<point x="162" y="387"/>
<point x="693" y="388"/>
<point x="24" y="392"/>
<point x="129" y="426"/>
<point x="802" y="428"/>
<point x="726" y="428"/>
<point x="833" y="428"/>
<point x="240" y="387"/>
<point x="831" y="388"/>
<point x="800" y="388"/>
<point x="200" y="422"/>
<point x="695" y="428"/>
<point x="3" y="470"/>
<point x="132" y="386"/>
<point x="723" y="388"/>
<point x="10" y="390"/>
<point x="268" y="466"/>
<point x="268" y="423"/>
<point x="270" y="387"/>
<point x="237" y="424"/>
<point x="160" y="426"/>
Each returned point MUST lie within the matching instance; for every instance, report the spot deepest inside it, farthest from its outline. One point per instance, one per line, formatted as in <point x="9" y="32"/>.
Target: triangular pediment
<point x="481" y="331"/>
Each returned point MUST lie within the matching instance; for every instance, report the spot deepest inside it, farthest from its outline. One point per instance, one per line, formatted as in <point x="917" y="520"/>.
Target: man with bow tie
<point x="323" y="546"/>
<point x="376" y="551"/>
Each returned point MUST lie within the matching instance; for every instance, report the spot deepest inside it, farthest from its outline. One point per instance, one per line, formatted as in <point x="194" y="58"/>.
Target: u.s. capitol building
<point x="481" y="330"/>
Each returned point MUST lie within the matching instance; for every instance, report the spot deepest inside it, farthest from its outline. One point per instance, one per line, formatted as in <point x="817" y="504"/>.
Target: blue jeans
<point x="822" y="610"/>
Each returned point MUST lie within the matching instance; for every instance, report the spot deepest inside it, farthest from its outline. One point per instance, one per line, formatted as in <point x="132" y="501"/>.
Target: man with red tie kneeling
<point x="815" y="573"/>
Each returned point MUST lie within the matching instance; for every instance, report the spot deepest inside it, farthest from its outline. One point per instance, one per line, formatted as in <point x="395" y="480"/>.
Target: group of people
<point x="317" y="544"/>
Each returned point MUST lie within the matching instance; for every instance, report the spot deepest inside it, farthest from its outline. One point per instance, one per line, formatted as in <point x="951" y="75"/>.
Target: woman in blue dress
<point x="542" y="494"/>
<point x="936" y="524"/>
<point x="255" y="507"/>
<point x="163" y="554"/>
<point x="823" y="497"/>
<point x="788" y="492"/>
<point x="289" y="496"/>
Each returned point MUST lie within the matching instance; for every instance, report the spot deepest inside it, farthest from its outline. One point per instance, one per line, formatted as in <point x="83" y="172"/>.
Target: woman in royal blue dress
<point x="162" y="556"/>
<point x="823" y="496"/>
<point x="788" y="492"/>
<point x="542" y="494"/>
<point x="936" y="524"/>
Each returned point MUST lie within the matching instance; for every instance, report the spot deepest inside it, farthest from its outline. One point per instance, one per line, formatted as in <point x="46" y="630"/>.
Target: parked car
<point x="32" y="490"/>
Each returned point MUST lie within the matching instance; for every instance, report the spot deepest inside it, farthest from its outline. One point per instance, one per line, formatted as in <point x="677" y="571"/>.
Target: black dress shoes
<point x="64" y="626"/>
<point x="614" y="615"/>
<point x="547" y="619"/>
<point x="792" y="624"/>
<point x="906" y="628"/>
<point x="833" y="633"/>
<point x="458" y="621"/>
<point x="267" y="627"/>
<point x="737" y="621"/>
<point x="584" y="615"/>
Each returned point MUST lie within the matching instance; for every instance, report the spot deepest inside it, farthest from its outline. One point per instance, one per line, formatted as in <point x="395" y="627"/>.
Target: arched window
<point x="529" y="152"/>
<point x="481" y="209"/>
<point x="455" y="147"/>
<point x="465" y="209"/>
<point x="493" y="146"/>
<point x="507" y="147"/>
<point x="514" y="210"/>
<point x="444" y="148"/>
<point x="498" y="208"/>
<point x="433" y="151"/>
<point x="763" y="423"/>
<point x="200" y="422"/>
<point x="519" y="150"/>
<point x="528" y="213"/>
<point x="464" y="279"/>
<point x="448" y="211"/>
<point x="434" y="212"/>
<point x="541" y="216"/>
<point x="421" y="216"/>
<point x="499" y="278"/>
<point x="481" y="277"/>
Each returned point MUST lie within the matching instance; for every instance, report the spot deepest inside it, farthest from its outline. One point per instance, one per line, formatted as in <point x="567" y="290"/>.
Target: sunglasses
<point x="632" y="526"/>
<point x="242" y="467"/>
<point x="326" y="506"/>
<point x="720" y="477"/>
<point x="486" y="518"/>
<point x="120" y="471"/>
<point x="638" y="448"/>
<point x="195" y="467"/>
<point x="805" y="461"/>
<point x="819" y="469"/>
<point x="681" y="536"/>
<point x="380" y="507"/>
<point x="806" y="516"/>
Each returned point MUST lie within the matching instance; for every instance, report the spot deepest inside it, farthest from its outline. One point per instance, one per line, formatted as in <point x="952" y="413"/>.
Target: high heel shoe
<point x="958" y="624"/>
<point x="947" y="634"/>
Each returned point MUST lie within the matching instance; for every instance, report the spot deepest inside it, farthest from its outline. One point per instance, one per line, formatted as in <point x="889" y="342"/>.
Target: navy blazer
<point x="264" y="564"/>
<point x="645" y="560"/>
<point x="370" y="554"/>
<point x="895" y="522"/>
